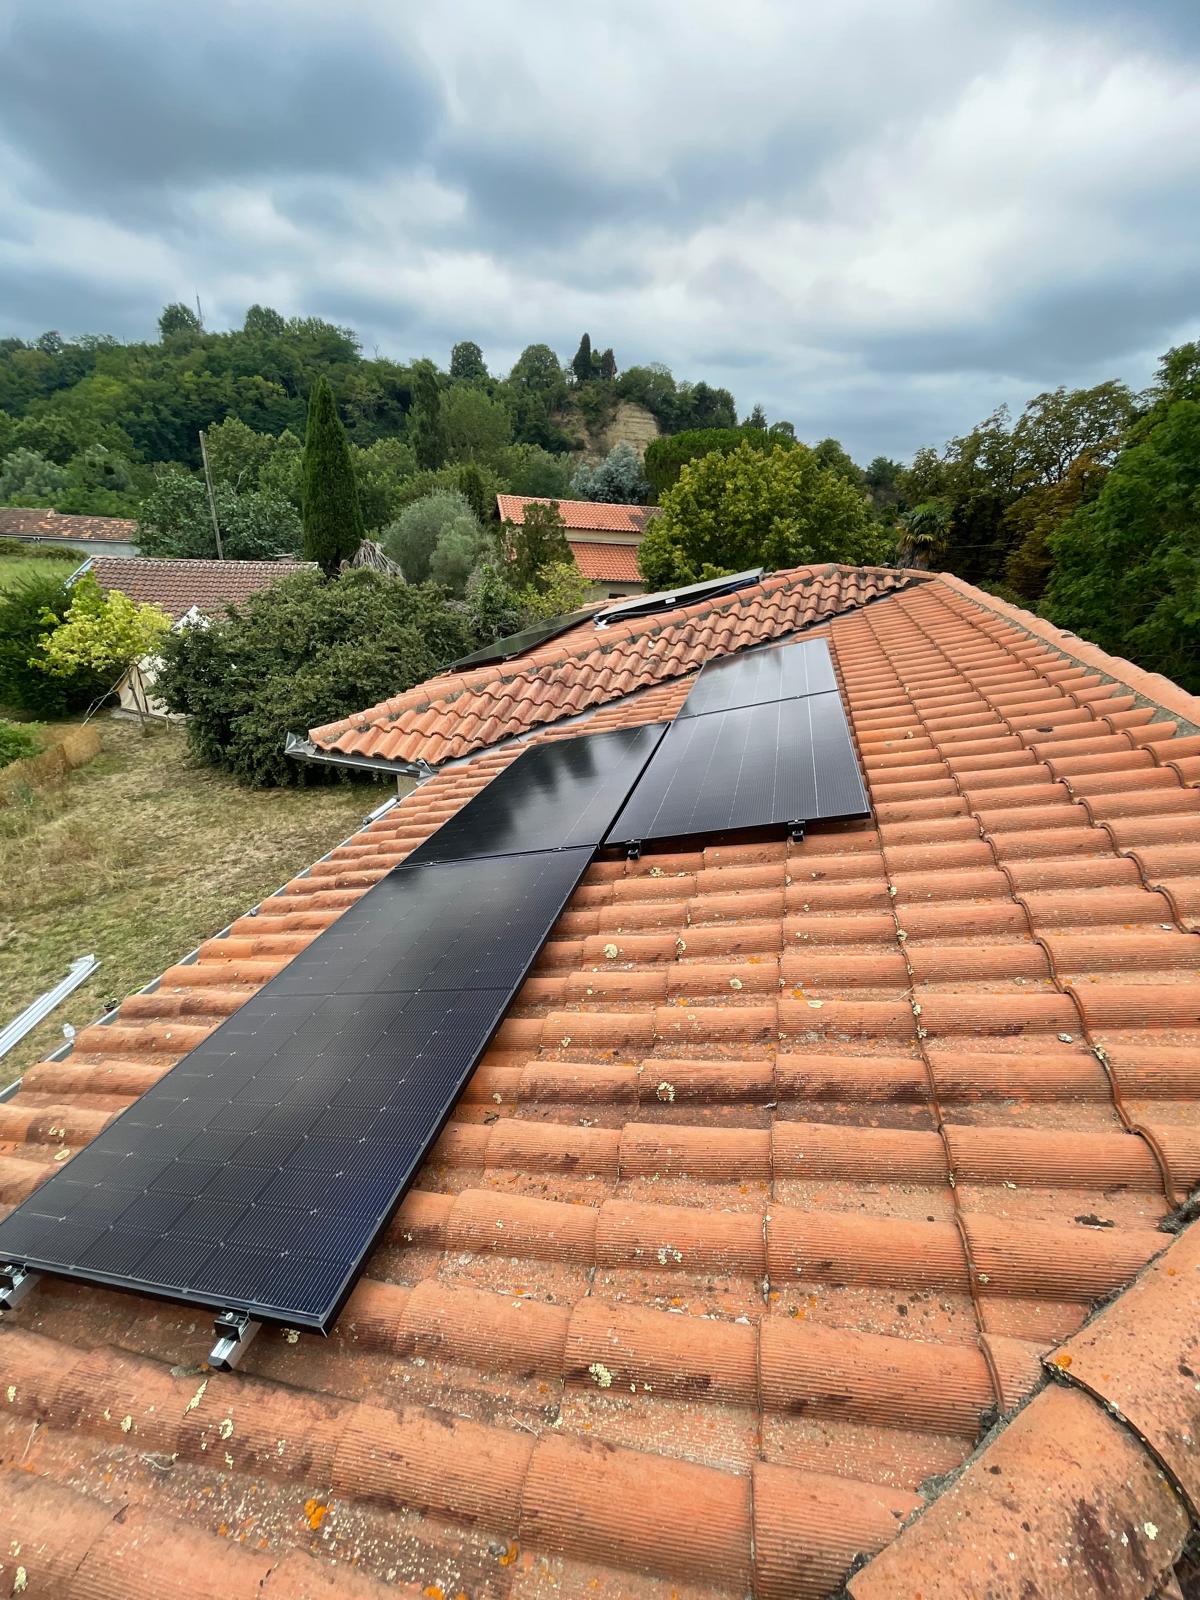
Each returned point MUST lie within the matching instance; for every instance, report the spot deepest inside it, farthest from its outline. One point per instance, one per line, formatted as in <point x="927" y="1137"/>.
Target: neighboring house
<point x="186" y="590"/>
<point x="603" y="539"/>
<point x="114" y="535"/>
<point x="788" y="1239"/>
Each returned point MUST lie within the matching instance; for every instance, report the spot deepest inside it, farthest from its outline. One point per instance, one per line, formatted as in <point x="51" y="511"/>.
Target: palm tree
<point x="926" y="532"/>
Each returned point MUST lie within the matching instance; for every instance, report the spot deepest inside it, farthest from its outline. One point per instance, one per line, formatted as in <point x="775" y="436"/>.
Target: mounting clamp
<point x="633" y="850"/>
<point x="233" y="1330"/>
<point x="796" y="829"/>
<point x="15" y="1283"/>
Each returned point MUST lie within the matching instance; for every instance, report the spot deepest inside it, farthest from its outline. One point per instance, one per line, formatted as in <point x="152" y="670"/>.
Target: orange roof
<point x="595" y="516"/>
<point x="790" y="1170"/>
<point x="16" y="523"/>
<point x="452" y="715"/>
<point x="606" y="563"/>
<point x="178" y="585"/>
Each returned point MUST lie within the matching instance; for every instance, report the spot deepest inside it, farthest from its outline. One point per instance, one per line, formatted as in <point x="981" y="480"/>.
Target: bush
<point x="305" y="652"/>
<point x="617" y="480"/>
<point x="666" y="458"/>
<point x="10" y="550"/>
<point x="419" y="529"/>
<point x="17" y="740"/>
<point x="22" y="624"/>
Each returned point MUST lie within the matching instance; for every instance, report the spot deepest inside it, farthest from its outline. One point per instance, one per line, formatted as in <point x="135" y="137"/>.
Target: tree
<point x="618" y="480"/>
<point x="1127" y="566"/>
<point x="263" y="322"/>
<point x="474" y="491"/>
<point x="757" y="420"/>
<point x="778" y="508"/>
<point x="383" y="472"/>
<point x="493" y="608"/>
<point x="175" y="520"/>
<point x="419" y="529"/>
<point x="101" y="634"/>
<point x="560" y="589"/>
<point x="883" y="479"/>
<point x="666" y="458"/>
<point x="528" y="469"/>
<point x="178" y="321"/>
<point x="333" y="524"/>
<point x="28" y="479"/>
<point x="300" y="654"/>
<point x="608" y="365"/>
<point x="475" y="427"/>
<point x="829" y="454"/>
<point x="23" y="609"/>
<point x="926" y="529"/>
<point x="536" y="389"/>
<point x="459" y="550"/>
<point x="425" y="429"/>
<point x="467" y="364"/>
<point x="538" y="542"/>
<point x="582" y="363"/>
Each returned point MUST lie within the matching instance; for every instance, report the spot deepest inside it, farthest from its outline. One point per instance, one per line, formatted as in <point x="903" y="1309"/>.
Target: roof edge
<point x="1153" y="687"/>
<point x="300" y="748"/>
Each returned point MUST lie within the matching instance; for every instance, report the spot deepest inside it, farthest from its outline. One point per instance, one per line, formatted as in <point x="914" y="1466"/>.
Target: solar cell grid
<point x="755" y="677"/>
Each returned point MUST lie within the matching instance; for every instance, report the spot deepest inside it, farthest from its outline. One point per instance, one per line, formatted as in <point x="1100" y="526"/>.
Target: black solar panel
<point x="516" y="644"/>
<point x="789" y="761"/>
<point x="645" y="605"/>
<point x="554" y="795"/>
<point x="781" y="672"/>
<point x="256" y="1175"/>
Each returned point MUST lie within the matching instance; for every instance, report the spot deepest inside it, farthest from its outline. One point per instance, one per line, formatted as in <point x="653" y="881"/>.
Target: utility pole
<point x="212" y="504"/>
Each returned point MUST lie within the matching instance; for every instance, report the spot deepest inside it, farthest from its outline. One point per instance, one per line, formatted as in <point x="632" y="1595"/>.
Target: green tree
<point x="608" y="365"/>
<point x="174" y="520"/>
<point x="333" y="524"/>
<point x="536" y="390"/>
<point x="528" y="469"/>
<point x="1127" y="566"/>
<point x="264" y="322"/>
<point x="617" y="480"/>
<point x="560" y="588"/>
<point x="426" y="431"/>
<point x="925" y="533"/>
<point x="301" y="654"/>
<point x="467" y="364"/>
<point x="493" y="608"/>
<point x="829" y="454"/>
<point x="28" y="479"/>
<point x="23" y="608"/>
<point x="100" y="634"/>
<point x="178" y="321"/>
<point x="776" y="509"/>
<point x="459" y="550"/>
<point x="419" y="529"/>
<point x="666" y="457"/>
<point x="582" y="361"/>
<point x="535" y="544"/>
<point x="756" y="420"/>
<point x="475" y="491"/>
<point x="475" y="427"/>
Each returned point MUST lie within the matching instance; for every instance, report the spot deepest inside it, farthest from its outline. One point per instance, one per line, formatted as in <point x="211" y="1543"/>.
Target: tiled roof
<point x="177" y="586"/>
<point x="457" y="713"/>
<point x="791" y="1169"/>
<point x="606" y="563"/>
<point x="30" y="524"/>
<point x="592" y="515"/>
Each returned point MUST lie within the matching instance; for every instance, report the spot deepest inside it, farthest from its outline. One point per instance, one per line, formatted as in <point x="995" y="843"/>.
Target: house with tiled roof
<point x="604" y="539"/>
<point x="182" y="586"/>
<point x="115" y="535"/>
<point x="818" y="1220"/>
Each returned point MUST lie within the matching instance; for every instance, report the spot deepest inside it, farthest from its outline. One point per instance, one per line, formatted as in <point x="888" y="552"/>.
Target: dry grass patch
<point x="137" y="857"/>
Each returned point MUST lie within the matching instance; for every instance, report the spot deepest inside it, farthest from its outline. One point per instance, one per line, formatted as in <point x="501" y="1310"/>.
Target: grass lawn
<point x="14" y="567"/>
<point x="136" y="858"/>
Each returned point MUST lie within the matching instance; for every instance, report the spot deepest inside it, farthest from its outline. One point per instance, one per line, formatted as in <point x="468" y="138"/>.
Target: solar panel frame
<point x="172" y="1186"/>
<point x="792" y="761"/>
<point x="518" y="644"/>
<point x="755" y="677"/>
<point x="557" y="794"/>
<point x="645" y="605"/>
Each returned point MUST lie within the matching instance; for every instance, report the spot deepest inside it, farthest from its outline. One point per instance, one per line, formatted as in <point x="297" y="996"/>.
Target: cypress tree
<point x="608" y="365"/>
<point x="582" y="364"/>
<point x="333" y="523"/>
<point x="425" y="431"/>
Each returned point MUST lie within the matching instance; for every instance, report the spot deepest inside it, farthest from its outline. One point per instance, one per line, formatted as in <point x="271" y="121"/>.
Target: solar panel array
<point x="645" y="605"/>
<point x="762" y="741"/>
<point x="256" y="1175"/>
<point x="517" y="644"/>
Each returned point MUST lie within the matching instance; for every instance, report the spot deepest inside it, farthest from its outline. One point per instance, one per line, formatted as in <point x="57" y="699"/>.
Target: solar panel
<point x="516" y="644"/>
<point x="644" y="605"/>
<point x="256" y="1175"/>
<point x="554" y="795"/>
<point x="756" y="766"/>
<point x="781" y="672"/>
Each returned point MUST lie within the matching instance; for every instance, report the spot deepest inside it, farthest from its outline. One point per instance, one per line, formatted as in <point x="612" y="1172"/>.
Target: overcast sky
<point x="880" y="218"/>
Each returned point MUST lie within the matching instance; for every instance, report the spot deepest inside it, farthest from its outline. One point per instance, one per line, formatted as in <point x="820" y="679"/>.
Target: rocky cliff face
<point x="630" y="424"/>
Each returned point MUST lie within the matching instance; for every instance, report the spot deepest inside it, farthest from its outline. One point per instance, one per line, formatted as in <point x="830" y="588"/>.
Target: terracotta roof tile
<point x="28" y="524"/>
<point x="783" y="1174"/>
<point x="178" y="585"/>
<point x="592" y="516"/>
<point x="606" y="563"/>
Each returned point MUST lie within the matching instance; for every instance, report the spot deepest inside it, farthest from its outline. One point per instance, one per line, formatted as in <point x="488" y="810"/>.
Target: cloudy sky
<point x="879" y="218"/>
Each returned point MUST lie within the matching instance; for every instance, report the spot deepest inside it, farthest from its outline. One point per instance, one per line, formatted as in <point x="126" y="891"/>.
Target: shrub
<point x="617" y="480"/>
<point x="666" y="458"/>
<point x="416" y="533"/>
<point x="11" y="550"/>
<point x="23" y="609"/>
<point x="17" y="740"/>
<point x="101" y="633"/>
<point x="305" y="652"/>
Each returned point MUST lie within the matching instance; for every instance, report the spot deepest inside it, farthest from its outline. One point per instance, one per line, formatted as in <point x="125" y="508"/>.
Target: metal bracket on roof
<point x="15" y="1283"/>
<point x="234" y="1330"/>
<point x="633" y="850"/>
<point x="796" y="829"/>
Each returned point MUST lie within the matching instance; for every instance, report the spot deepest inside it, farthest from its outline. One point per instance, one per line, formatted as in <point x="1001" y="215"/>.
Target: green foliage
<point x="459" y="550"/>
<point x="474" y="426"/>
<point x="426" y="430"/>
<point x="29" y="479"/>
<point x="560" y="589"/>
<point x="617" y="480"/>
<point x="583" y="362"/>
<point x="467" y="364"/>
<point x="536" y="389"/>
<point x="534" y="545"/>
<point x="494" y="610"/>
<point x="528" y="469"/>
<point x="608" y="365"/>
<point x="255" y="526"/>
<point x="665" y="458"/>
<point x="474" y="491"/>
<point x="1127" y="566"/>
<point x="18" y="740"/>
<point x="677" y="406"/>
<point x="100" y="634"/>
<point x="925" y="530"/>
<point x="419" y="529"/>
<point x="23" y="609"/>
<point x="178" y="321"/>
<point x="243" y="458"/>
<point x="383" y="472"/>
<point x="12" y="550"/>
<point x="596" y="403"/>
<point x="829" y="454"/>
<point x="778" y="508"/>
<point x="756" y="420"/>
<point x="333" y="523"/>
<point x="303" y="653"/>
